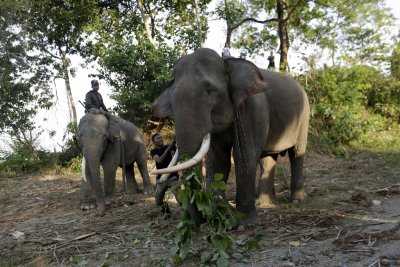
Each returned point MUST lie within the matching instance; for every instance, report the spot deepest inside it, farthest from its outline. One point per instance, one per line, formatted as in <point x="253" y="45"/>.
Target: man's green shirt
<point x="93" y="99"/>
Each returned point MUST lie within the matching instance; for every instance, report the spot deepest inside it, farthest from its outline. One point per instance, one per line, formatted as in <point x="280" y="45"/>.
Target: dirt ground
<point x="350" y="218"/>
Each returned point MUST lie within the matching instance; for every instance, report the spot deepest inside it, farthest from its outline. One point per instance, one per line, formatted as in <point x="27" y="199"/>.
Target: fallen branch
<point x="374" y="263"/>
<point x="75" y="239"/>
<point x="82" y="236"/>
<point x="387" y="189"/>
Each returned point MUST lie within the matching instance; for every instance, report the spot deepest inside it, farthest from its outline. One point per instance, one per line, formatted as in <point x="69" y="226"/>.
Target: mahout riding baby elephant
<point x="110" y="141"/>
<point x="257" y="113"/>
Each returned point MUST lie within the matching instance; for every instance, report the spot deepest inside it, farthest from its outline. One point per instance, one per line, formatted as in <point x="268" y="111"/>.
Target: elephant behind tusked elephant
<point x="257" y="113"/>
<point x="111" y="142"/>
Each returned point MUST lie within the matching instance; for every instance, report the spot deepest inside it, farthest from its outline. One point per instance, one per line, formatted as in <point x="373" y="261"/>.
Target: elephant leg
<point x="131" y="184"/>
<point x="109" y="184"/>
<point x="88" y="201"/>
<point x="142" y="166"/>
<point x="266" y="184"/>
<point x="246" y="190"/>
<point x="95" y="183"/>
<point x="297" y="180"/>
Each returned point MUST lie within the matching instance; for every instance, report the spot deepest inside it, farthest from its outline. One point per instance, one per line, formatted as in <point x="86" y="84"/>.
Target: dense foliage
<point x="22" y="160"/>
<point x="24" y="81"/>
<point x="136" y="43"/>
<point x="349" y="101"/>
<point x="220" y="218"/>
<point x="347" y="31"/>
<point x="139" y="73"/>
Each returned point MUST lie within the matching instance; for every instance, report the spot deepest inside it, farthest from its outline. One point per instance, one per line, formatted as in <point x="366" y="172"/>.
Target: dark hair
<point x="154" y="136"/>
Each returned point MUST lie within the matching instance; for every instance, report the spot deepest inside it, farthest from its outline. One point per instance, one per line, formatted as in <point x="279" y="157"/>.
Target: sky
<point x="58" y="117"/>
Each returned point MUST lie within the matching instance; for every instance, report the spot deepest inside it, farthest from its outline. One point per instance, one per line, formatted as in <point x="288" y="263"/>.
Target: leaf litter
<point x="350" y="218"/>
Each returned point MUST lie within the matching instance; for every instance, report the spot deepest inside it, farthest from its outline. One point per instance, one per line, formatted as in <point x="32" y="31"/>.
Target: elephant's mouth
<point x="187" y="164"/>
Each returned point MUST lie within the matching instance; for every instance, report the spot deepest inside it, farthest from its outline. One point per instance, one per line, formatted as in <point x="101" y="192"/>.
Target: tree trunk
<point x="198" y="22"/>
<point x="283" y="36"/>
<point x="146" y="22"/>
<point x="229" y="25"/>
<point x="71" y="105"/>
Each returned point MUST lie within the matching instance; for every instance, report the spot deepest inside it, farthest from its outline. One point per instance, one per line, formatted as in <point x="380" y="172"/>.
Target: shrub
<point x="343" y="100"/>
<point x="22" y="160"/>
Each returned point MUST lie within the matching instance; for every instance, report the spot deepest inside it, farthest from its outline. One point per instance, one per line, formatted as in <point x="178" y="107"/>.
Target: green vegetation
<point x="220" y="218"/>
<point x="22" y="160"/>
<point x="140" y="72"/>
<point x="350" y="104"/>
<point x="354" y="97"/>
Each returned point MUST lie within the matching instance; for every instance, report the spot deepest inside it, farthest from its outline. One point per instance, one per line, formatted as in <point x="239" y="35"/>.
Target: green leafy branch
<point x="220" y="218"/>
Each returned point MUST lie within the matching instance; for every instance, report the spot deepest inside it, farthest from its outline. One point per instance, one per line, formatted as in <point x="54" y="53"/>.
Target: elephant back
<point x="128" y="129"/>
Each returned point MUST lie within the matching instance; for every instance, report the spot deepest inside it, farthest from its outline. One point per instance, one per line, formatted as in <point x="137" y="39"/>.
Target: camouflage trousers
<point x="161" y="189"/>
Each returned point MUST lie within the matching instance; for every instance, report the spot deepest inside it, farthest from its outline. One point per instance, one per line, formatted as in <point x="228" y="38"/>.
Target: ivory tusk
<point x="84" y="169"/>
<point x="191" y="162"/>
<point x="173" y="162"/>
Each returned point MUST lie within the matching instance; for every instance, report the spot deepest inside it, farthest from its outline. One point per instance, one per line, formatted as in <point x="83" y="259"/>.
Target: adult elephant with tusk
<point x="257" y="113"/>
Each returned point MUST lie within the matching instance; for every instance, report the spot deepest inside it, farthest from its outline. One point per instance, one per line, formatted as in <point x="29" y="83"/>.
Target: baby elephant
<point x="110" y="141"/>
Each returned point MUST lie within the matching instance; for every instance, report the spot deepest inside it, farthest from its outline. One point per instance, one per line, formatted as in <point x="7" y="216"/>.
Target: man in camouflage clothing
<point x="93" y="98"/>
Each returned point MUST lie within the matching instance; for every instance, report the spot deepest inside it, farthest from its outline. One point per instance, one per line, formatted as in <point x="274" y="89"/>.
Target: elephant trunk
<point x="93" y="171"/>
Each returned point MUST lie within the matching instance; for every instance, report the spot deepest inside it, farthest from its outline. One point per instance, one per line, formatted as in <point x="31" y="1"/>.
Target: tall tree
<point x="55" y="30"/>
<point x="234" y="12"/>
<point x="277" y="15"/>
<point x="167" y="21"/>
<point x="394" y="61"/>
<point x="352" y="31"/>
<point x="137" y="42"/>
<point x="348" y="28"/>
<point x="24" y="81"/>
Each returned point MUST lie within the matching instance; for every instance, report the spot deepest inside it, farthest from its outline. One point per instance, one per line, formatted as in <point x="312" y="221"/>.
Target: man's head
<point x="95" y="85"/>
<point x="157" y="140"/>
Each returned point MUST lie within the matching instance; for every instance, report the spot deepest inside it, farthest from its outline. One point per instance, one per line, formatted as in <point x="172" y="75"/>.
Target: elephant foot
<point x="148" y="190"/>
<point x="108" y="200"/>
<point x="298" y="195"/>
<point x="101" y="209"/>
<point x="251" y="219"/>
<point x="132" y="191"/>
<point x="88" y="204"/>
<point x="266" y="201"/>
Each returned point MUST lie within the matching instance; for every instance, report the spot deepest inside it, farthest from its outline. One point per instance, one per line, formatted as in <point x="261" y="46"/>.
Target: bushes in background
<point x="347" y="102"/>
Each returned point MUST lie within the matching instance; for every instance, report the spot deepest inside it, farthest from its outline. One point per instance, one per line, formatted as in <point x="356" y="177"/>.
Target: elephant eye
<point x="210" y="90"/>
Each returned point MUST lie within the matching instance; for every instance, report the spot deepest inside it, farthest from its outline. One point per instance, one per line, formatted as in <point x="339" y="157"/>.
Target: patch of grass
<point x="282" y="172"/>
<point x="385" y="142"/>
<point x="20" y="259"/>
<point x="318" y="201"/>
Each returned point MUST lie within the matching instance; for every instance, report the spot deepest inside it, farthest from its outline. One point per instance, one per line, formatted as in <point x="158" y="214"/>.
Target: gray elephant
<point x="257" y="113"/>
<point x="110" y="141"/>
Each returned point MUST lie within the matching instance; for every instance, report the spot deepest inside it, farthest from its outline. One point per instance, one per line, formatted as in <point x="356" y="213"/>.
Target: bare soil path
<point x="350" y="218"/>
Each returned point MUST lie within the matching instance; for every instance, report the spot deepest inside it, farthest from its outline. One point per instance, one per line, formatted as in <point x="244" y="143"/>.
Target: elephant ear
<point x="245" y="79"/>
<point x="162" y="107"/>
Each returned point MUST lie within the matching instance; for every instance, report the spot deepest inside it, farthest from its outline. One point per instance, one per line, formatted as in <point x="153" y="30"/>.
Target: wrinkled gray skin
<point x="101" y="145"/>
<point x="258" y="113"/>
